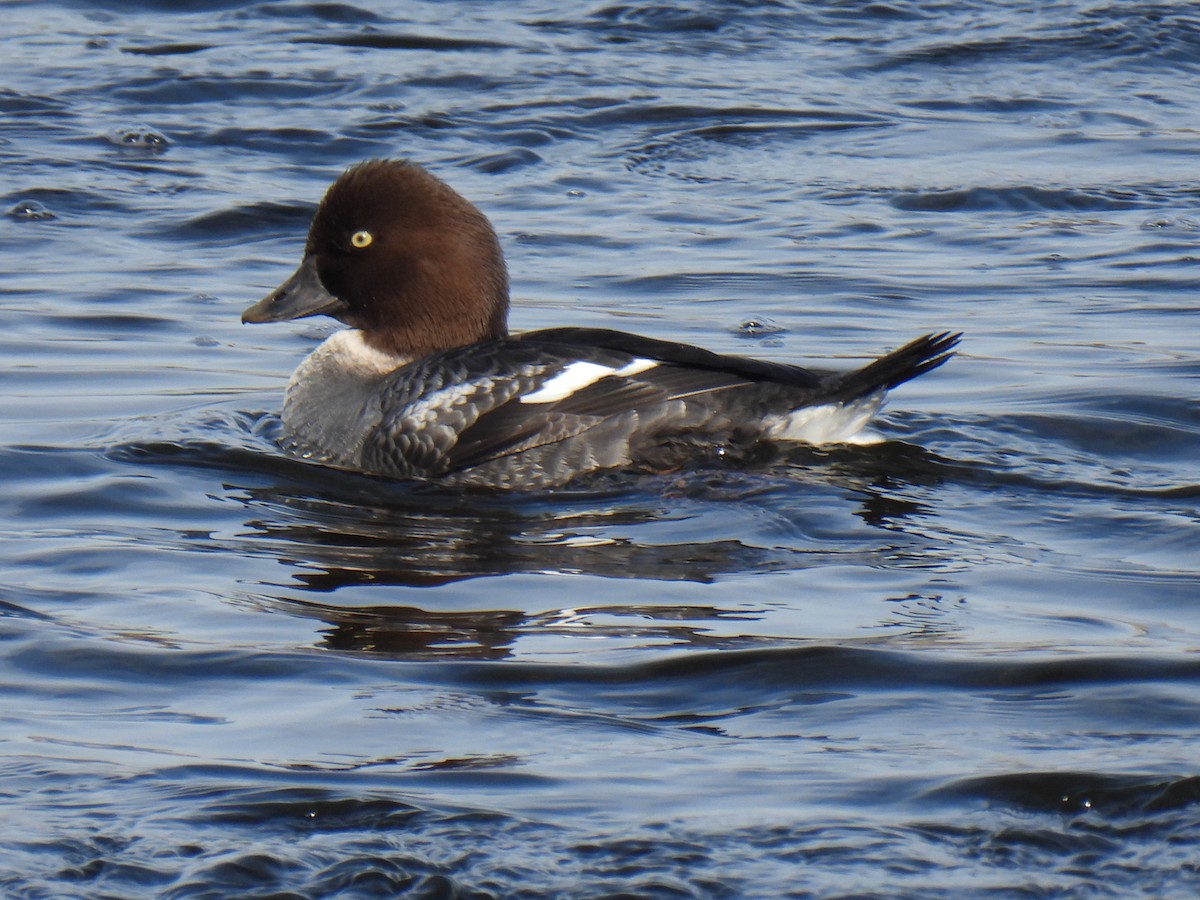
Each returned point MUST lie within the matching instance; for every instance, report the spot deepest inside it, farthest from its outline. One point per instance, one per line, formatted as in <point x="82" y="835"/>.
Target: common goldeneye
<point x="428" y="383"/>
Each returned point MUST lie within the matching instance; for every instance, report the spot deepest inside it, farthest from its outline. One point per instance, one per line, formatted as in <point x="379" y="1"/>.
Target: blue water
<point x="959" y="663"/>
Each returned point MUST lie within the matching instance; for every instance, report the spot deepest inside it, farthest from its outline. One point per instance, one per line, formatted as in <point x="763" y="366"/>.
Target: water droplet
<point x="759" y="325"/>
<point x="142" y="139"/>
<point x="575" y="194"/>
<point x="30" y="211"/>
<point x="1167" y="223"/>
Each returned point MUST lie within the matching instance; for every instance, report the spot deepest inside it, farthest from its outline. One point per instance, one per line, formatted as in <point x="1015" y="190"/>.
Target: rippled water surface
<point x="961" y="662"/>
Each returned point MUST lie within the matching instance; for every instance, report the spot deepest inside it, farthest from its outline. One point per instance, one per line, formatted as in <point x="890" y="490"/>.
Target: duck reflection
<point x="407" y="631"/>
<point x="339" y="531"/>
<point x="399" y="535"/>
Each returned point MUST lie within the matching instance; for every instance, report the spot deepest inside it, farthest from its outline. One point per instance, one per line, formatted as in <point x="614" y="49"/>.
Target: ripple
<point x="1077" y="793"/>
<point x="1015" y="199"/>
<point x="1137" y="34"/>
<point x="345" y="13"/>
<point x="235" y="224"/>
<point x="497" y="163"/>
<point x="171" y="89"/>
<point x="17" y="103"/>
<point x="378" y="41"/>
<point x="166" y="49"/>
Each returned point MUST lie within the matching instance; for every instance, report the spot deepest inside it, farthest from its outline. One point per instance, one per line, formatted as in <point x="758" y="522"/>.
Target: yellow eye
<point x="361" y="239"/>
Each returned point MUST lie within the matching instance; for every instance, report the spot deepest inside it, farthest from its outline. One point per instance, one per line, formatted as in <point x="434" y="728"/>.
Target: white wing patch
<point x="830" y="423"/>
<point x="579" y="375"/>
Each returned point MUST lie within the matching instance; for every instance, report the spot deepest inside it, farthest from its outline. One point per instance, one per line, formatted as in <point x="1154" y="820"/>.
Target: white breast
<point x="332" y="399"/>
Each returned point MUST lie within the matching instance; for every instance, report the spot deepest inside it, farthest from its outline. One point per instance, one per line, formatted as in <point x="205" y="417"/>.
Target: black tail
<point x="913" y="359"/>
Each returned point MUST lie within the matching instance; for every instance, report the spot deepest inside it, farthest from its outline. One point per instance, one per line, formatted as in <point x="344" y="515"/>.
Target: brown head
<point x="401" y="255"/>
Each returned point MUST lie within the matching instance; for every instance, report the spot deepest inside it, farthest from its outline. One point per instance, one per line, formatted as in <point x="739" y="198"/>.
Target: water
<point x="960" y="662"/>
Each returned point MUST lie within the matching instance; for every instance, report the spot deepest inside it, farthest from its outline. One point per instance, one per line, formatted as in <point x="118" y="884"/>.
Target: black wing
<point x="517" y="426"/>
<point x="754" y="370"/>
<point x="464" y="407"/>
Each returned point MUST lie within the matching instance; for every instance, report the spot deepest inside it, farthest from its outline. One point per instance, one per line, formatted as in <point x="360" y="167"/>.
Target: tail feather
<point x="913" y="359"/>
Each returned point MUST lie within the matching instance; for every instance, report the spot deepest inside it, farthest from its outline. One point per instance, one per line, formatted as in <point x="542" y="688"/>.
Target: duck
<point x="426" y="382"/>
